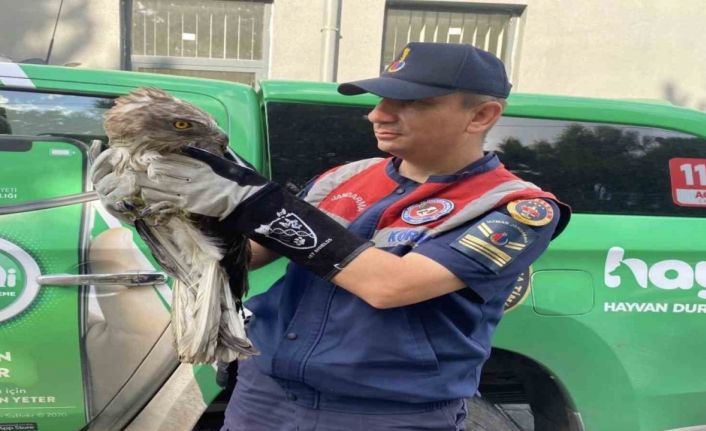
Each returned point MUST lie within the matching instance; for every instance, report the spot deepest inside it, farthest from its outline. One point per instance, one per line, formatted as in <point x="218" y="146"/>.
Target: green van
<point x="602" y="333"/>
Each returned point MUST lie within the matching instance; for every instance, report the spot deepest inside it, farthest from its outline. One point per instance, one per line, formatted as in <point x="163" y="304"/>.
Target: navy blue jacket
<point x="329" y="349"/>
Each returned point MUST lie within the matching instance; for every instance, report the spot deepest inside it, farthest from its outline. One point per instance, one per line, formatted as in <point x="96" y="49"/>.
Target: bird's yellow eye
<point x="181" y="125"/>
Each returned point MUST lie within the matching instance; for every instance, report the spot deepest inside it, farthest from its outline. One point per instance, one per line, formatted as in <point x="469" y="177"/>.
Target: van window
<point x="594" y="167"/>
<point x="32" y="113"/>
<point x="597" y="168"/>
<point x="307" y="139"/>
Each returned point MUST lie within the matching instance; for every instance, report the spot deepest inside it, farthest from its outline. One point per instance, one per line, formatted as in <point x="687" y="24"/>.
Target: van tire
<point x="484" y="416"/>
<point x="549" y="408"/>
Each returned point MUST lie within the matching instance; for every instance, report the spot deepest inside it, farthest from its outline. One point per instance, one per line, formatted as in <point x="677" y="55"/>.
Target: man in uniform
<point x="400" y="266"/>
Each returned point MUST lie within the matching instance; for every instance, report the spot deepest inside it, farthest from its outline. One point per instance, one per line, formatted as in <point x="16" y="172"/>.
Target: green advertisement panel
<point x="41" y="376"/>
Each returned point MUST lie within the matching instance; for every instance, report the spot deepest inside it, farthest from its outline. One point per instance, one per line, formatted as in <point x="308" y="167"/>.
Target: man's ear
<point x="484" y="116"/>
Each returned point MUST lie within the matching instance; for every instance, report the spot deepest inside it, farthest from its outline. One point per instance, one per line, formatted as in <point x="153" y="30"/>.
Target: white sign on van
<point x="668" y="274"/>
<point x="18" y="280"/>
<point x="681" y="274"/>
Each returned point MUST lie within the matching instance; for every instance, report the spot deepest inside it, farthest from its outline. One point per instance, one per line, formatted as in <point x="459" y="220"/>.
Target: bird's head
<point x="154" y="119"/>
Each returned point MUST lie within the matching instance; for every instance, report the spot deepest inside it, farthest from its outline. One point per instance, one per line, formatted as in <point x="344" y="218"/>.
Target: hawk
<point x="207" y="310"/>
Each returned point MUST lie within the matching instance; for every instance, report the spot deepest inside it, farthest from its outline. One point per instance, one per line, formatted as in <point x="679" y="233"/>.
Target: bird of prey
<point x="207" y="313"/>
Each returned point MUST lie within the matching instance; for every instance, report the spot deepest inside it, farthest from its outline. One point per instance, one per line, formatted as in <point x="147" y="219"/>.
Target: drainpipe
<point x="329" y="40"/>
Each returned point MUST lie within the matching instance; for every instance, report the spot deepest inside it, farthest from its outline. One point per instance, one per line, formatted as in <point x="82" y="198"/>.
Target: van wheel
<point x="484" y="416"/>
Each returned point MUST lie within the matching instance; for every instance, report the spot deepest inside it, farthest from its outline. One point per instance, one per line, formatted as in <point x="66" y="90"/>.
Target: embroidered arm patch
<point x="534" y="212"/>
<point x="495" y="241"/>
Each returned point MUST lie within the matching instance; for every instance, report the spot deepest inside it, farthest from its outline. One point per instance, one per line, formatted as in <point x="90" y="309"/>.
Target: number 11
<point x="689" y="169"/>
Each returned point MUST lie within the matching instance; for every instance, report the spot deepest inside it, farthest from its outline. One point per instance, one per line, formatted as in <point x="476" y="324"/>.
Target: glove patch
<point x="495" y="241"/>
<point x="290" y="230"/>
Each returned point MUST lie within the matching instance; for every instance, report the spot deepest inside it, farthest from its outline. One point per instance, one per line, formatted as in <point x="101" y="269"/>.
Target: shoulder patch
<point x="495" y="241"/>
<point x="533" y="212"/>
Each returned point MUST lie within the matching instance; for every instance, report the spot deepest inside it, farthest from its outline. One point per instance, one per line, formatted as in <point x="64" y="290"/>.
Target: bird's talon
<point x="158" y="213"/>
<point x="124" y="206"/>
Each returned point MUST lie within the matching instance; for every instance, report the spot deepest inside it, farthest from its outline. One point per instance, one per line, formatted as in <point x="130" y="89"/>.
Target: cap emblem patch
<point x="426" y="211"/>
<point x="399" y="63"/>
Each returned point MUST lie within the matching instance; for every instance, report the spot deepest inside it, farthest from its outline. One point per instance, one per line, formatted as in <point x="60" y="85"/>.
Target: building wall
<point x="88" y="32"/>
<point x="360" y="46"/>
<point x="296" y="39"/>
<point x="362" y="26"/>
<point x="647" y="49"/>
<point x="626" y="49"/>
<point x="642" y="49"/>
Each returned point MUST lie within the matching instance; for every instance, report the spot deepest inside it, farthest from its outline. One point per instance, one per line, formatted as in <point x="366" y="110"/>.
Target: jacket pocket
<point x="425" y="353"/>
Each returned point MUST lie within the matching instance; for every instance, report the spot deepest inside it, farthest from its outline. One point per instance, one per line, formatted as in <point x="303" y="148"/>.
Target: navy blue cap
<point x="434" y="69"/>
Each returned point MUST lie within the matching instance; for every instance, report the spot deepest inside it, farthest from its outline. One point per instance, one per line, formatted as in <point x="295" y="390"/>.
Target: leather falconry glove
<point x="281" y="222"/>
<point x="112" y="190"/>
<point x="189" y="184"/>
<point x="245" y="202"/>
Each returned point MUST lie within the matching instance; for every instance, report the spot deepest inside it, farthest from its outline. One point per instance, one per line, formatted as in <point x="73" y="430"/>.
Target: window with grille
<point x="493" y="29"/>
<point x="207" y="38"/>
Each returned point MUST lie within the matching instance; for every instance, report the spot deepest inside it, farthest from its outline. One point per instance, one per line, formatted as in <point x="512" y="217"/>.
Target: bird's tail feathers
<point x="207" y="324"/>
<point x="209" y="330"/>
<point x="231" y="332"/>
<point x="193" y="344"/>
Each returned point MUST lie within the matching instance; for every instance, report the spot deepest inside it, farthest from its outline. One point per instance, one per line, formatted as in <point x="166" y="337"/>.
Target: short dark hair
<point x="471" y="100"/>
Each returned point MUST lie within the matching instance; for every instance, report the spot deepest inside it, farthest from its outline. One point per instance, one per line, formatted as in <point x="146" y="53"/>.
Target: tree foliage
<point x="605" y="169"/>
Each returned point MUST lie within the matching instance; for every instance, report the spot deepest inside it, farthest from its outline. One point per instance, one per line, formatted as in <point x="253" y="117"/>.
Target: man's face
<point x="414" y="129"/>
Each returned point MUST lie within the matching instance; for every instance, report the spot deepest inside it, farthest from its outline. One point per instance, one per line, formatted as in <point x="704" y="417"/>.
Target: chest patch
<point x="495" y="241"/>
<point x="426" y="211"/>
<point x="353" y="198"/>
<point x="534" y="212"/>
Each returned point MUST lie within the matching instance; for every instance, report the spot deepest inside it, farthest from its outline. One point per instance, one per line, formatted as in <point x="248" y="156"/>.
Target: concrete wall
<point x="88" y="32"/>
<point x="296" y="39"/>
<point x="627" y="48"/>
<point x="621" y="49"/>
<point x="360" y="47"/>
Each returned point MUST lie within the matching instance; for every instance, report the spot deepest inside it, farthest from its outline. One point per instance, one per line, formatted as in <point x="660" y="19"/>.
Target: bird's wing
<point x="164" y="250"/>
<point x="237" y="259"/>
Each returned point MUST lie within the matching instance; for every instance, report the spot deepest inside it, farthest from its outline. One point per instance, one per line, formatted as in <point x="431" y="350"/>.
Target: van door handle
<point x="132" y="279"/>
